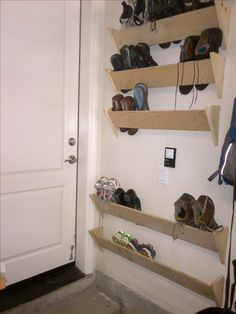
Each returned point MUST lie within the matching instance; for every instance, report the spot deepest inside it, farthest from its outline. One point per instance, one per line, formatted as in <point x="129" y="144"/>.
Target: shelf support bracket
<point x="114" y="128"/>
<point x="213" y="114"/>
<point x="218" y="66"/>
<point x="220" y="239"/>
<point x="223" y="15"/>
<point x="217" y="288"/>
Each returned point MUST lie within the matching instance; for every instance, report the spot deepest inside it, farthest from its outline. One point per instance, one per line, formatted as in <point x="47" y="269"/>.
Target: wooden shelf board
<point x="168" y="29"/>
<point x="211" y="291"/>
<point x="2" y="282"/>
<point x="177" y="27"/>
<point x="214" y="241"/>
<point x="164" y="75"/>
<point x="186" y="120"/>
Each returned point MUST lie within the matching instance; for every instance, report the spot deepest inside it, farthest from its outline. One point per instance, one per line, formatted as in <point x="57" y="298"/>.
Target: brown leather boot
<point x="128" y="104"/>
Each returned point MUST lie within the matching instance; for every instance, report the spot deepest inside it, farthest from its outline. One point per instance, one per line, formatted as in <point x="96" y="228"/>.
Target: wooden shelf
<point x="177" y="27"/>
<point x="210" y="71"/>
<point x="215" y="241"/>
<point x="212" y="291"/>
<point x="187" y="120"/>
<point x="2" y="282"/>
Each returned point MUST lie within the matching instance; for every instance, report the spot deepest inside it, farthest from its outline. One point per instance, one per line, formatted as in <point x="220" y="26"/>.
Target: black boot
<point x="126" y="14"/>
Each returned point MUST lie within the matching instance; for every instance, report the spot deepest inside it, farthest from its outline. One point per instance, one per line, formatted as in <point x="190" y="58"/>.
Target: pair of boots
<point x="132" y="57"/>
<point x="129" y="103"/>
<point x="128" y="199"/>
<point x="197" y="48"/>
<point x="196" y="213"/>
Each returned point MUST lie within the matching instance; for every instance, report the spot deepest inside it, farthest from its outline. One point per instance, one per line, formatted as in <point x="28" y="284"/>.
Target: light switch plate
<point x="163" y="175"/>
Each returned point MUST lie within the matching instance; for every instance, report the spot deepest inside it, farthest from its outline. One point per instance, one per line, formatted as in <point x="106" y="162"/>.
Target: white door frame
<point x="90" y="112"/>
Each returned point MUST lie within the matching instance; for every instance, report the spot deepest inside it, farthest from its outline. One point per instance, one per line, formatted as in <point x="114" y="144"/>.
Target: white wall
<point x="135" y="160"/>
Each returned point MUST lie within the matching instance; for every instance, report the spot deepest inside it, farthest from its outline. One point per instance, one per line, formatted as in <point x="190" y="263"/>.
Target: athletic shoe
<point x="184" y="212"/>
<point x="118" y="236"/>
<point x="109" y="188"/>
<point x="147" y="250"/>
<point x="205" y="213"/>
<point x="100" y="186"/>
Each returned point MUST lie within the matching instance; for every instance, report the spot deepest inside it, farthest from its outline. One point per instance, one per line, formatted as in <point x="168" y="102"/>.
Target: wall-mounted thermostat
<point x="170" y="157"/>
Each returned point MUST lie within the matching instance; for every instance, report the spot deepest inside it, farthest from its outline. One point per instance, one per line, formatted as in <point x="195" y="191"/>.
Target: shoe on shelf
<point x="139" y="11"/>
<point x="117" y="62"/>
<point x="205" y="3"/>
<point x="187" y="54"/>
<point x="118" y="196"/>
<point x="210" y="41"/>
<point x="135" y="244"/>
<point x="127" y="104"/>
<point x="165" y="45"/>
<point x="131" y="200"/>
<point x="117" y="237"/>
<point x="100" y="187"/>
<point x="126" y="239"/>
<point x="141" y="97"/>
<point x="116" y="106"/>
<point x="147" y="250"/>
<point x="205" y="213"/>
<point x="184" y="209"/>
<point x="190" y="5"/>
<point x="126" y="15"/>
<point x="126" y="56"/>
<point x="111" y="185"/>
<point x="144" y="50"/>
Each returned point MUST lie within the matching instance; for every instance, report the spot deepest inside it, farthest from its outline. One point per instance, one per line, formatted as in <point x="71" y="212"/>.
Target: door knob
<point x="71" y="159"/>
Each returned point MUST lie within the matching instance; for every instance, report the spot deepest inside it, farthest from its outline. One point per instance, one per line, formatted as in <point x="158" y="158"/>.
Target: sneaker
<point x="100" y="186"/>
<point x="118" y="236"/>
<point x="147" y="250"/>
<point x="206" y="211"/>
<point x="126" y="239"/>
<point x="109" y="188"/>
<point x="184" y="212"/>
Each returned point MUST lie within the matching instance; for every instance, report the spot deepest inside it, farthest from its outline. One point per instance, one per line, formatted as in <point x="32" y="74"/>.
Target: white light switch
<point x="163" y="175"/>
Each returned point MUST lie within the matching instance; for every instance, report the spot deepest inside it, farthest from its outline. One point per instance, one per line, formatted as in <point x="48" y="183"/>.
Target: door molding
<point x="90" y="100"/>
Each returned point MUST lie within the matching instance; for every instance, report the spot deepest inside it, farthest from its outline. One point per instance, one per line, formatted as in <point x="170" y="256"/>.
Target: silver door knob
<point x="71" y="159"/>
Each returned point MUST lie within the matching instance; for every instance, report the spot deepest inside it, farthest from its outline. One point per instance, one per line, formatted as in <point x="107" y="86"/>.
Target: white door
<point x="39" y="107"/>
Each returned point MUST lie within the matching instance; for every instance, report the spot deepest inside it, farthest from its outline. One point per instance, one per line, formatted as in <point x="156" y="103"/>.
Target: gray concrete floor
<point x="90" y="301"/>
<point x="81" y="297"/>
